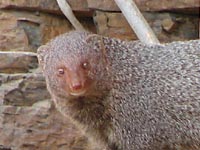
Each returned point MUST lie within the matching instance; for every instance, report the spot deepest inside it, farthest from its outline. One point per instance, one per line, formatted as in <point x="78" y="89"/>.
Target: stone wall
<point x="28" y="120"/>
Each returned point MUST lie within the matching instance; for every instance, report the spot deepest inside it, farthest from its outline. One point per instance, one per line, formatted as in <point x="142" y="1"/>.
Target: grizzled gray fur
<point x="126" y="95"/>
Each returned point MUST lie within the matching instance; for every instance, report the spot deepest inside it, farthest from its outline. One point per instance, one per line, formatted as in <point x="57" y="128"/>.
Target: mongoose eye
<point x="85" y="65"/>
<point x="61" y="71"/>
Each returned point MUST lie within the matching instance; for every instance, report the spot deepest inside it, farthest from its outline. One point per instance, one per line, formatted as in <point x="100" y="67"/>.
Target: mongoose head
<point x="74" y="65"/>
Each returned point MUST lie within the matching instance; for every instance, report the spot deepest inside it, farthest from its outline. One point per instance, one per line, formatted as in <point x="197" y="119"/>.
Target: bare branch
<point x="67" y="11"/>
<point x="137" y="21"/>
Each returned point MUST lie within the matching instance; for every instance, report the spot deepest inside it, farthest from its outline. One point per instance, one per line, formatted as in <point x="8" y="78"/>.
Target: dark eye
<point x="85" y="65"/>
<point x="61" y="71"/>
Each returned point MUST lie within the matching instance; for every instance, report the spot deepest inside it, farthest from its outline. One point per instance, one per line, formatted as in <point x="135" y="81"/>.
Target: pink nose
<point x="77" y="86"/>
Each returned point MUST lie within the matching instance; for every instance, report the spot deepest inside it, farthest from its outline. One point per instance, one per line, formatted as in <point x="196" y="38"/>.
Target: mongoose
<point x="126" y="95"/>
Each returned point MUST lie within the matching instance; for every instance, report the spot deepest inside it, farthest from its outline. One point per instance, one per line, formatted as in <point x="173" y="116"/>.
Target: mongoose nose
<point x="77" y="86"/>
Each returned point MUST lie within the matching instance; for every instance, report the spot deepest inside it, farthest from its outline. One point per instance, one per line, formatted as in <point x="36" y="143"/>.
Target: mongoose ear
<point x="94" y="40"/>
<point x="41" y="53"/>
<point x="97" y="42"/>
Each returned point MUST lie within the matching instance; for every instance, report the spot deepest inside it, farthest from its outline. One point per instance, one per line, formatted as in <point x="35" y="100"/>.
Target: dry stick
<point x="137" y="21"/>
<point x="67" y="11"/>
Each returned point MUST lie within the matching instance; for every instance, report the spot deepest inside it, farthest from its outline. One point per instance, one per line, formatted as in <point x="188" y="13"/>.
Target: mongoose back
<point x="126" y="95"/>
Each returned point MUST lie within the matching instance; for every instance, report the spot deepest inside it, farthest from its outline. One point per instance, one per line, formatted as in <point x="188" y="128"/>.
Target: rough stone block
<point x="148" y="5"/>
<point x="168" y="27"/>
<point x="23" y="89"/>
<point x="45" y="5"/>
<point x="41" y="127"/>
<point x="17" y="62"/>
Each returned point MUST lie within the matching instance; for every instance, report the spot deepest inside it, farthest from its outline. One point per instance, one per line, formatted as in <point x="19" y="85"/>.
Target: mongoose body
<point x="126" y="95"/>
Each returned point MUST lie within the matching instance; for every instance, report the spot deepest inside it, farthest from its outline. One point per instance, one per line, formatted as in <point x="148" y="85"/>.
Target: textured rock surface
<point x="17" y="62"/>
<point x="32" y="29"/>
<point x="108" y="24"/>
<point x="37" y="127"/>
<point x="167" y="26"/>
<point x="23" y="89"/>
<point x="147" y="5"/>
<point x="28" y="28"/>
<point x="9" y="32"/>
<point x="44" y="5"/>
<point x="109" y="5"/>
